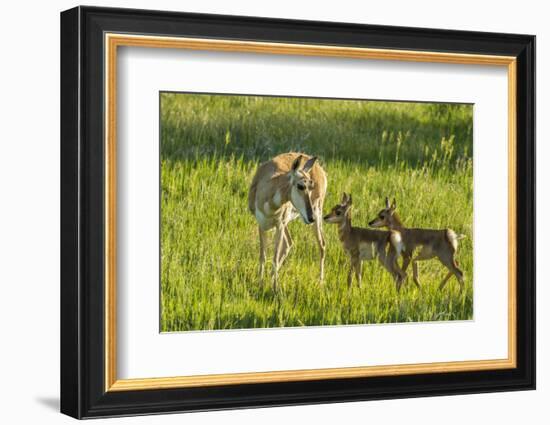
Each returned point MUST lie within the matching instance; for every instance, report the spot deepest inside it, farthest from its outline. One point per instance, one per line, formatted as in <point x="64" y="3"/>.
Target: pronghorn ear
<point x="310" y="162"/>
<point x="387" y="203"/>
<point x="393" y="205"/>
<point x="296" y="163"/>
<point x="349" y="199"/>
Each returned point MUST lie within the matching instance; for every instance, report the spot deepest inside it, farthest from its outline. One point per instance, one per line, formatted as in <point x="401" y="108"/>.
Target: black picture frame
<point x="82" y="212"/>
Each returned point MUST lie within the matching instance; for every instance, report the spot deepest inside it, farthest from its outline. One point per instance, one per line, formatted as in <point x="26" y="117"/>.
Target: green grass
<point x="210" y="147"/>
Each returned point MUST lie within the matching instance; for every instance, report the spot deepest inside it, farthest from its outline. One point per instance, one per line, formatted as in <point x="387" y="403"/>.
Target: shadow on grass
<point x="253" y="128"/>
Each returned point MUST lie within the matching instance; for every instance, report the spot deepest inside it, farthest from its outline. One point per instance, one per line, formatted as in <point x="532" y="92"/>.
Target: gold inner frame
<point x="113" y="41"/>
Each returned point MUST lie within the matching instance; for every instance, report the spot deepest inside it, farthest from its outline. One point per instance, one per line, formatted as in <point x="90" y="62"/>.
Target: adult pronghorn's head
<point x="301" y="185"/>
<point x="340" y="211"/>
<point x="385" y="217"/>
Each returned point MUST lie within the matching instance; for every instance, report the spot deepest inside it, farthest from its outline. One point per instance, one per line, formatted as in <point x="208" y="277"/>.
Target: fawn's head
<point x="340" y="212"/>
<point x="385" y="216"/>
<point x="301" y="185"/>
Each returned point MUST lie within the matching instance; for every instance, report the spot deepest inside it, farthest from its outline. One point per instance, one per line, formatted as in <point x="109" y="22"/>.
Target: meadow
<point x="211" y="145"/>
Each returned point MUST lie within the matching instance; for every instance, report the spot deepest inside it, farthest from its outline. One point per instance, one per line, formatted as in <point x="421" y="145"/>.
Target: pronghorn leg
<point x="424" y="254"/>
<point x="399" y="272"/>
<point x="401" y="275"/>
<point x="355" y="268"/>
<point x="415" y="274"/>
<point x="385" y="260"/>
<point x="288" y="237"/>
<point x="279" y="238"/>
<point x="389" y="262"/>
<point x="406" y="262"/>
<point x="452" y="265"/>
<point x="287" y="244"/>
<point x="321" y="243"/>
<point x="263" y="236"/>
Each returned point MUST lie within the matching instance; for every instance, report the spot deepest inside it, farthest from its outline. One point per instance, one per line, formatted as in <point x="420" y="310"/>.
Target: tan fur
<point x="366" y="244"/>
<point x="270" y="201"/>
<point x="433" y="243"/>
<point x="270" y="177"/>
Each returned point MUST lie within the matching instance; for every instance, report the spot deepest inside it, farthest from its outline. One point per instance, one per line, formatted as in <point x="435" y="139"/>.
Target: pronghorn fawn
<point x="441" y="244"/>
<point x="366" y="244"/>
<point x="288" y="186"/>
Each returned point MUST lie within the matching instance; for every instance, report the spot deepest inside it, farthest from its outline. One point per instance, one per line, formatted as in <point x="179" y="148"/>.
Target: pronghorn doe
<point x="282" y="190"/>
<point x="441" y="243"/>
<point x="366" y="244"/>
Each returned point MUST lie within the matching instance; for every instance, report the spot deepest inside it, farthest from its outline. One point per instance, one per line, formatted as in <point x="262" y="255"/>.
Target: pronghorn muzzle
<point x="310" y="217"/>
<point x="309" y="211"/>
<point x="302" y="202"/>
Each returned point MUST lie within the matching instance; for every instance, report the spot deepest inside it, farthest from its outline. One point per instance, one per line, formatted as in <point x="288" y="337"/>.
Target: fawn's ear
<point x="296" y="163"/>
<point x="344" y="199"/>
<point x="387" y="203"/>
<point x="347" y="207"/>
<point x="393" y="205"/>
<point x="346" y="203"/>
<point x="309" y="164"/>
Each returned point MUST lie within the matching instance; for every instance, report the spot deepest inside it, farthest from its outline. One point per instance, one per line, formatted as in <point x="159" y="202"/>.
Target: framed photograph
<point x="261" y="212"/>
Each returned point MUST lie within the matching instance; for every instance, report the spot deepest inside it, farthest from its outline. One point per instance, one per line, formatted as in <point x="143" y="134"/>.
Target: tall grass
<point x="210" y="147"/>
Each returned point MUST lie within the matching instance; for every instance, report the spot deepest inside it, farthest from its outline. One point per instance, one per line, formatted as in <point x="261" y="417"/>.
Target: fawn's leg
<point x="358" y="271"/>
<point x="452" y="265"/>
<point x="385" y="259"/>
<point x="401" y="275"/>
<point x="350" y="273"/>
<point x="424" y="254"/>
<point x="406" y="262"/>
<point x="389" y="262"/>
<point x="445" y="279"/>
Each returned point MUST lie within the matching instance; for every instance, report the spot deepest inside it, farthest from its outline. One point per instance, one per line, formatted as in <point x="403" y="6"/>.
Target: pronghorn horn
<point x="387" y="202"/>
<point x="394" y="204"/>
<point x="310" y="162"/>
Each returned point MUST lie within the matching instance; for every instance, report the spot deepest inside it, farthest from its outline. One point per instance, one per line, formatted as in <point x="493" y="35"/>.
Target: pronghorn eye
<point x="301" y="187"/>
<point x="338" y="212"/>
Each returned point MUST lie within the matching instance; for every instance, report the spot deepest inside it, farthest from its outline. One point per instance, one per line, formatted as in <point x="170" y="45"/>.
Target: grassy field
<point x="421" y="154"/>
